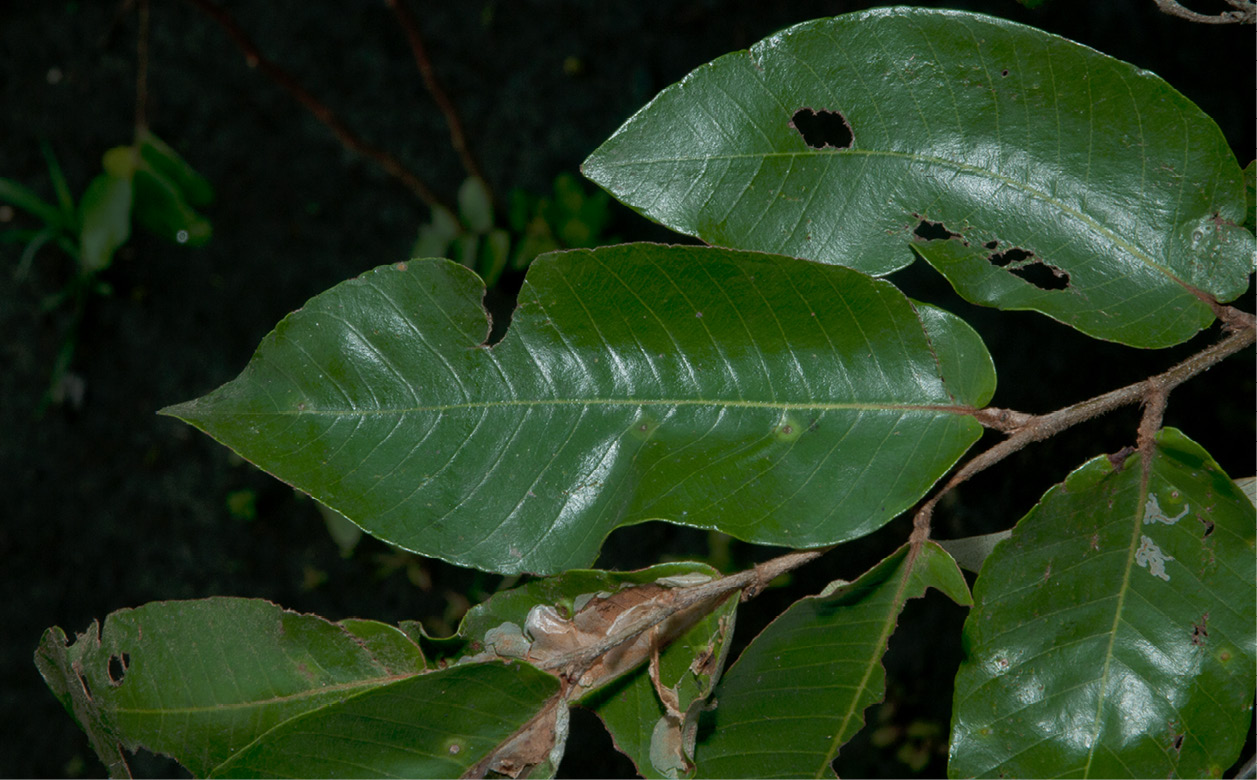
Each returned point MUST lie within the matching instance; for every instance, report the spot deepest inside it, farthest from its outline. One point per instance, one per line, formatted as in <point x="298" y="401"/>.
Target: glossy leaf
<point x="1033" y="172"/>
<point x="780" y="401"/>
<point x="1250" y="192"/>
<point x="439" y="724"/>
<point x="799" y="690"/>
<point x="200" y="680"/>
<point x="1113" y="634"/>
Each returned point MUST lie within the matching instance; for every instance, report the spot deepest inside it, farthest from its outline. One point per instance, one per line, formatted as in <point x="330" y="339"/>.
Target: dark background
<point x="109" y="506"/>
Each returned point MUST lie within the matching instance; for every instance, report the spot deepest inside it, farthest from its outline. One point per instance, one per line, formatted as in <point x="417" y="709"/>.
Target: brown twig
<point x="1152" y="392"/>
<point x="1245" y="12"/>
<point x="458" y="138"/>
<point x="389" y="163"/>
<point x="141" y="72"/>
<point x="750" y="582"/>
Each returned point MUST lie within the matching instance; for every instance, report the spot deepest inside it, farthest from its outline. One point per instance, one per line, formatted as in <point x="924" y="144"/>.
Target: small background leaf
<point x="777" y="400"/>
<point x="799" y="690"/>
<point x="166" y="163"/>
<point x="105" y="216"/>
<point x="1114" y="632"/>
<point x="21" y="196"/>
<point x="1013" y="142"/>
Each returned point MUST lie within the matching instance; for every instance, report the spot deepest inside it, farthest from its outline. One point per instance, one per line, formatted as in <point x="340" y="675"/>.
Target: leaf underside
<point x="1113" y="632"/>
<point x="777" y="400"/>
<point x="1032" y="172"/>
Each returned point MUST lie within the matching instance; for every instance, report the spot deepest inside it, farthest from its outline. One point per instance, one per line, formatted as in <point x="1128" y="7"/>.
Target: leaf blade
<point x="1115" y="641"/>
<point x="389" y="731"/>
<point x="698" y="386"/>
<point x="799" y="690"/>
<point x="998" y="135"/>
<point x="199" y="680"/>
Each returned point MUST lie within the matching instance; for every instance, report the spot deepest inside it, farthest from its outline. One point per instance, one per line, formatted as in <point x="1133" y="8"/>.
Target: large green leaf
<point x="777" y="400"/>
<point x="1114" y="631"/>
<point x="199" y="680"/>
<point x="799" y="690"/>
<point x="1033" y="172"/>
<point x="439" y="724"/>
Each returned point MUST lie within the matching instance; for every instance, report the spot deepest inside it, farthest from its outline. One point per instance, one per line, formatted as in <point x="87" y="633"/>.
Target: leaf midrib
<point x="824" y="406"/>
<point x="353" y="688"/>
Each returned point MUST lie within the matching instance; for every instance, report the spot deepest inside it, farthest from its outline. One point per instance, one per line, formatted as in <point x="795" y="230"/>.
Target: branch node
<point x="1003" y="420"/>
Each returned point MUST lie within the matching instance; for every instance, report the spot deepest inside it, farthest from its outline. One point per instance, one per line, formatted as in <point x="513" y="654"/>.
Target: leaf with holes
<point x="777" y="400"/>
<point x="1113" y="632"/>
<point x="799" y="690"/>
<point x="200" y="680"/>
<point x="1033" y="172"/>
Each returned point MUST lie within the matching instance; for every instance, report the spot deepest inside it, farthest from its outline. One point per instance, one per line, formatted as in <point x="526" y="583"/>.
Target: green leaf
<point x="19" y="195"/>
<point x="435" y="236"/>
<point x="475" y="207"/>
<point x="1250" y="193"/>
<point x="65" y="201"/>
<point x="165" y="163"/>
<point x="799" y="690"/>
<point x="106" y="221"/>
<point x="1114" y="632"/>
<point x="120" y="162"/>
<point x="439" y="724"/>
<point x="200" y="680"/>
<point x="161" y="208"/>
<point x="776" y="400"/>
<point x="495" y="252"/>
<point x="1033" y="172"/>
